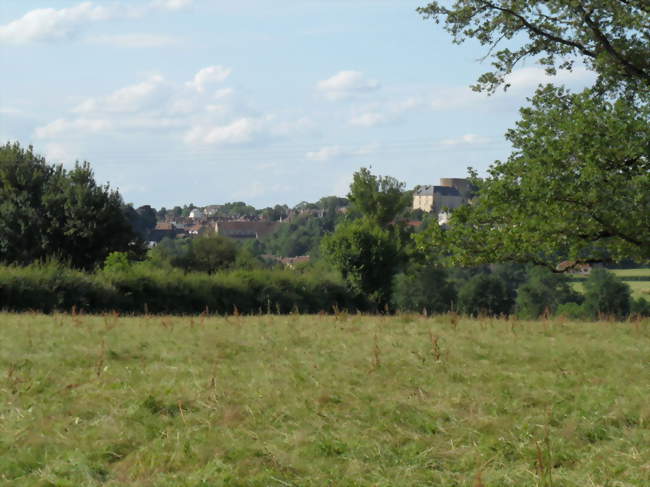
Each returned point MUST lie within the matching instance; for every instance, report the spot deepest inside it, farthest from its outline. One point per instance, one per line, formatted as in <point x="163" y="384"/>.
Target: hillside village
<point x="247" y="223"/>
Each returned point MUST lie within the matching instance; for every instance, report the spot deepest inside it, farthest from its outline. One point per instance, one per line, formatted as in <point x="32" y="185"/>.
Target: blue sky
<point x="208" y="101"/>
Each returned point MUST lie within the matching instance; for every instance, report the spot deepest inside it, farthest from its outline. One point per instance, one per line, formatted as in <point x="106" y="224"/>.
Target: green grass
<point x="322" y="400"/>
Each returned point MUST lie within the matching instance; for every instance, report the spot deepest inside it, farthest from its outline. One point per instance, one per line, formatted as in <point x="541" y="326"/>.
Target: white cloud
<point x="207" y="76"/>
<point x="370" y="119"/>
<point x="241" y="131"/>
<point x="468" y="139"/>
<point x="49" y="24"/>
<point x="171" y="4"/>
<point x="78" y="126"/>
<point x="223" y="93"/>
<point x="346" y="84"/>
<point x="337" y="152"/>
<point x="136" y="40"/>
<point x="128" y="99"/>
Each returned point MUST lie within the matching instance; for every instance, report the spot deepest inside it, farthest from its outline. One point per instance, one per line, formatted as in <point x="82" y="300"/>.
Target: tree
<point x="367" y="255"/>
<point x="369" y="251"/>
<point x="576" y="187"/>
<point x="484" y="294"/>
<point x="423" y="286"/>
<point x="543" y="292"/>
<point x="379" y="198"/>
<point x="610" y="37"/>
<point x="210" y="253"/>
<point x="606" y="294"/>
<point x="46" y="211"/>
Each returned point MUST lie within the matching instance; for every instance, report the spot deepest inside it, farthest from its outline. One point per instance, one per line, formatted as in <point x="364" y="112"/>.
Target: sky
<point x="263" y="101"/>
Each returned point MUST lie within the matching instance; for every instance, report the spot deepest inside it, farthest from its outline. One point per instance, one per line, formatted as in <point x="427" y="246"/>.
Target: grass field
<point x="322" y="400"/>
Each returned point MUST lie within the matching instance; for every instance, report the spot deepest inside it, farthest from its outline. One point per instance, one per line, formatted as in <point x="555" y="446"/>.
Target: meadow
<point x="298" y="400"/>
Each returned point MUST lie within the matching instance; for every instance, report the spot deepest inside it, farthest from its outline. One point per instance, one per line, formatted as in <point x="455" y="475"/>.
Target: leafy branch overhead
<point x="611" y="37"/>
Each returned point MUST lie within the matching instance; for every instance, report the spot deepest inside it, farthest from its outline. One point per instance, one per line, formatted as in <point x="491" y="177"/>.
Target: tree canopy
<point x="577" y="184"/>
<point x="49" y="212"/>
<point x="610" y="37"/>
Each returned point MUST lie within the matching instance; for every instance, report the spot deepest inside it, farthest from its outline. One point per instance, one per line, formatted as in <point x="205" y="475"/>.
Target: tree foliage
<point x="47" y="211"/>
<point x="367" y="255"/>
<point x="610" y="37"/>
<point x="577" y="187"/>
<point x="543" y="292"/>
<point x="379" y="198"/>
<point x="369" y="250"/>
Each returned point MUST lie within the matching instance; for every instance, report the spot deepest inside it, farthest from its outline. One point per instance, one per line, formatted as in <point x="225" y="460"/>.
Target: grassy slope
<point x="300" y="400"/>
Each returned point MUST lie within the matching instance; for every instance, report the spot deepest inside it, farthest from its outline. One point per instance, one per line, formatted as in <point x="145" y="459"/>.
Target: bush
<point x="484" y="294"/>
<point x="606" y="294"/>
<point x="543" y="292"/>
<point x="640" y="307"/>
<point x="423" y="287"/>
<point x="142" y="287"/>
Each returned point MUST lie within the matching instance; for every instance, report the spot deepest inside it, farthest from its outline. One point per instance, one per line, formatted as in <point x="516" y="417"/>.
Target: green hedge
<point x="140" y="289"/>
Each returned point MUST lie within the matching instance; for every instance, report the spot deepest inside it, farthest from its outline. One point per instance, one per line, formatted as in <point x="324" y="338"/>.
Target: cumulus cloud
<point x="346" y="84"/>
<point x="78" y="126"/>
<point x="242" y="131"/>
<point x="49" y="24"/>
<point x="467" y="139"/>
<point x="208" y="76"/>
<point x="128" y="99"/>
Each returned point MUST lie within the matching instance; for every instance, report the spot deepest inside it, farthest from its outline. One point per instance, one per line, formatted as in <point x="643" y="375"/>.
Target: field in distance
<point x="322" y="400"/>
<point x="637" y="279"/>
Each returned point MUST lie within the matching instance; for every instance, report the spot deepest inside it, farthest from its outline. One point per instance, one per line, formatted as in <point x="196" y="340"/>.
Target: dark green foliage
<point x="606" y="295"/>
<point x="210" y="253"/>
<point x="379" y="198"/>
<point x="484" y="294"/>
<point x="207" y="253"/>
<point x="46" y="211"/>
<point x="423" y="288"/>
<point x="542" y="293"/>
<point x="577" y="186"/>
<point x="640" y="307"/>
<point x="302" y="236"/>
<point x="370" y="250"/>
<point x="140" y="288"/>
<point x="368" y="256"/>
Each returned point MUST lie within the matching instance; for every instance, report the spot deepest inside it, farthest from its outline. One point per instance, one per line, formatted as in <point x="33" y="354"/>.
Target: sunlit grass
<point x="320" y="400"/>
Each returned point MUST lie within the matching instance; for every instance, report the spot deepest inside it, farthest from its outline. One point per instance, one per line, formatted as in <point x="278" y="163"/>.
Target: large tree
<point x="610" y="37"/>
<point x="577" y="185"/>
<point x="49" y="212"/>
<point x="368" y="248"/>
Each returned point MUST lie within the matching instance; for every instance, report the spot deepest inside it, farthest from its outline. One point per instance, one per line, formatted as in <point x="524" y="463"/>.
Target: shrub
<point x="423" y="287"/>
<point x="640" y="307"/>
<point x="606" y="294"/>
<point x="543" y="291"/>
<point x="484" y="294"/>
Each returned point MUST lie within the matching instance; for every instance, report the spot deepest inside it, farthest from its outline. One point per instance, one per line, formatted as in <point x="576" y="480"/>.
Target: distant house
<point x="246" y="229"/>
<point x="449" y="195"/>
<point x="197" y="214"/>
<point x="197" y="229"/>
<point x="163" y="230"/>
